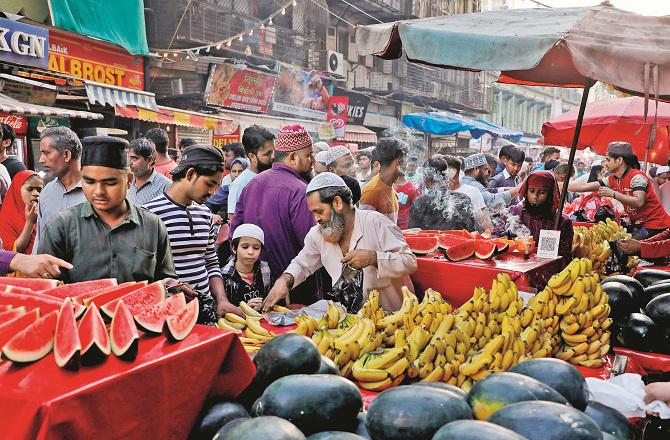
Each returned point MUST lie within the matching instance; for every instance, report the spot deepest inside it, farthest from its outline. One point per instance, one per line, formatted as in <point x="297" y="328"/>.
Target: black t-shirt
<point x="13" y="166"/>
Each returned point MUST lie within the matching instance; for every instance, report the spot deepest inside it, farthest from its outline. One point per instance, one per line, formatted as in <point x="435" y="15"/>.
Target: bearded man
<point x="362" y="239"/>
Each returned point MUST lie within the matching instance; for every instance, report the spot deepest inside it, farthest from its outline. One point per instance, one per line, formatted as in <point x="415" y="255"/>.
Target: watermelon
<point x="179" y="325"/>
<point x="81" y="297"/>
<point x="462" y="233"/>
<point x="95" y="345"/>
<point x="33" y="342"/>
<point x="11" y="314"/>
<point x="137" y="300"/>
<point x="30" y="283"/>
<point x="123" y="333"/>
<point x="31" y="300"/>
<point x="10" y="328"/>
<point x="151" y="319"/>
<point x="501" y="246"/>
<point x="66" y="340"/>
<point x="447" y="241"/>
<point x="109" y="294"/>
<point x="422" y="245"/>
<point x="75" y="289"/>
<point x="8" y="288"/>
<point x="485" y="249"/>
<point x="5" y="307"/>
<point x="460" y="251"/>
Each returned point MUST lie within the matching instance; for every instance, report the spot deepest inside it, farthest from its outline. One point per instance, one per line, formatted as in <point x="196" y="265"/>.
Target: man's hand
<point x="176" y="287"/>
<point x="224" y="307"/>
<point x="217" y="220"/>
<point x="256" y="304"/>
<point x="278" y="292"/>
<point x="657" y="391"/>
<point x="629" y="247"/>
<point x="605" y="191"/>
<point x="30" y="212"/>
<point x="360" y="258"/>
<point x="38" y="266"/>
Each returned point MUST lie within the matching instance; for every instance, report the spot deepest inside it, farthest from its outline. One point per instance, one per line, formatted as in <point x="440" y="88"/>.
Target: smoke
<point x="504" y="222"/>
<point x="416" y="147"/>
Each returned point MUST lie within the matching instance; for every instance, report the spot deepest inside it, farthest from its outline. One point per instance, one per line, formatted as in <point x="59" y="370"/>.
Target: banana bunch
<point x="306" y="325"/>
<point x="371" y="308"/>
<point x="584" y="314"/>
<point x="380" y="369"/>
<point x="593" y="242"/>
<point x="255" y="336"/>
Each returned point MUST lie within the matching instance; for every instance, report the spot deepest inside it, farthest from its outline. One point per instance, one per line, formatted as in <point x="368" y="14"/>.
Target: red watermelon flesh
<point x="485" y="249"/>
<point x="501" y="246"/>
<point x="461" y="251"/>
<point x="123" y="332"/>
<point x="447" y="241"/>
<point x="151" y="319"/>
<point x="5" y="307"/>
<point x="180" y="325"/>
<point x="8" y="288"/>
<point x="422" y="245"/>
<point x="93" y="336"/>
<point x="66" y="339"/>
<point x="462" y="233"/>
<point x="11" y="314"/>
<point x="30" y="283"/>
<point x="33" y="342"/>
<point x="137" y="300"/>
<point x="81" y="297"/>
<point x="112" y="293"/>
<point x="32" y="300"/>
<point x="75" y="289"/>
<point x="10" y="328"/>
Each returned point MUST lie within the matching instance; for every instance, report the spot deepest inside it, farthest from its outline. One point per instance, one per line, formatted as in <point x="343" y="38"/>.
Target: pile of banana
<point x="593" y="243"/>
<point x="255" y="336"/>
<point x="584" y="314"/>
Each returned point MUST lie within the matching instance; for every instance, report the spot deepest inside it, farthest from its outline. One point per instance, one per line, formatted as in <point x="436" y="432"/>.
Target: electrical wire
<point x="364" y="12"/>
<point x="334" y="14"/>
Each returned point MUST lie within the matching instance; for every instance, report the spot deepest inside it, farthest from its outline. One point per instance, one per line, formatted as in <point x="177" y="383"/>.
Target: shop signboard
<point x="242" y="89"/>
<point x="302" y="94"/>
<point x="337" y="114"/>
<point x="93" y="60"/>
<point x="37" y="124"/>
<point x="24" y="44"/>
<point x="18" y="122"/>
<point x="219" y="140"/>
<point x="357" y="107"/>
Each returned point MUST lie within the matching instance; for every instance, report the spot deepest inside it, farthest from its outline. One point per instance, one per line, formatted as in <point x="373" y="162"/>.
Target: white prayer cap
<point x="336" y="152"/>
<point x="663" y="169"/>
<point x="249" y="230"/>
<point x="324" y="180"/>
<point x="320" y="146"/>
<point x="322" y="156"/>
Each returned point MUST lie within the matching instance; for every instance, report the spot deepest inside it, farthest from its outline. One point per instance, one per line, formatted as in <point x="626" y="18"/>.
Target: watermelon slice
<point x="32" y="300"/>
<point x="462" y="233"/>
<point x="5" y="307"/>
<point x="11" y="314"/>
<point x="123" y="333"/>
<point x="485" y="249"/>
<point x="10" y="328"/>
<point x="95" y="345"/>
<point x="30" y="283"/>
<point x="422" y="245"/>
<point x="82" y="296"/>
<point x="75" y="289"/>
<point x="151" y="319"/>
<point x="501" y="246"/>
<point x="137" y="300"/>
<point x="66" y="340"/>
<point x="461" y="251"/>
<point x="178" y="326"/>
<point x="8" y="288"/>
<point x="447" y="241"/>
<point x="33" y="342"/>
<point x="112" y="293"/>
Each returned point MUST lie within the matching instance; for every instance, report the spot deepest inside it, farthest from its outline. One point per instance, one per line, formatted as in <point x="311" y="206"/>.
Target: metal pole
<point x="573" y="149"/>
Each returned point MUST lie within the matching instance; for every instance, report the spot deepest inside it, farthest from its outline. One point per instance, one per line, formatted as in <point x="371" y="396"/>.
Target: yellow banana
<point x="376" y="386"/>
<point x="574" y="339"/>
<point x="255" y="327"/>
<point x="507" y="360"/>
<point x="280" y="309"/>
<point x="428" y="354"/>
<point x="435" y="375"/>
<point x="398" y="367"/>
<point x="363" y="374"/>
<point x="566" y="354"/>
<point x="231" y="317"/>
<point x="248" y="310"/>
<point x="222" y="324"/>
<point x="476" y="364"/>
<point x="592" y="363"/>
<point x="559" y="279"/>
<point x="581" y="348"/>
<point x="386" y="358"/>
<point x="565" y="305"/>
<point x="569" y="329"/>
<point x="579" y="358"/>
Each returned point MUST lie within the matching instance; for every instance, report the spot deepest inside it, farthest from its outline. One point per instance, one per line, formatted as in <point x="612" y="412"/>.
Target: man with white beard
<point x="345" y="235"/>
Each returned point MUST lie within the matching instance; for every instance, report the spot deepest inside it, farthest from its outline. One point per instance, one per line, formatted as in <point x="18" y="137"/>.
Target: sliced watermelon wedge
<point x="8" y="288"/>
<point x="137" y="300"/>
<point x="501" y="246"/>
<point x="11" y="314"/>
<point x="458" y="233"/>
<point x="10" y="328"/>
<point x="112" y="293"/>
<point x="66" y="339"/>
<point x="75" y="289"/>
<point x="30" y="283"/>
<point x="421" y="245"/>
<point x="485" y="249"/>
<point x="5" y="307"/>
<point x="33" y="342"/>
<point x="151" y="319"/>
<point x="123" y="333"/>
<point x="179" y="325"/>
<point x="447" y="241"/>
<point x="81" y="297"/>
<point x="33" y="300"/>
<point x="95" y="345"/>
<point x="461" y="251"/>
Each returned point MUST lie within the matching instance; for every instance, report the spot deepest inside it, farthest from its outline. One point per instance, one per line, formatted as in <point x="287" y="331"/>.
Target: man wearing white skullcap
<point x="364" y="240"/>
<point x="321" y="162"/>
<point x="340" y="161"/>
<point x="319" y="147"/>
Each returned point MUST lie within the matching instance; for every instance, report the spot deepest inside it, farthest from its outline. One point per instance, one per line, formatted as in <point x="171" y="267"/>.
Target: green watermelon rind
<point x="66" y="323"/>
<point x="152" y="319"/>
<point x="179" y="326"/>
<point x="150" y="292"/>
<point x="485" y="254"/>
<point x="25" y="356"/>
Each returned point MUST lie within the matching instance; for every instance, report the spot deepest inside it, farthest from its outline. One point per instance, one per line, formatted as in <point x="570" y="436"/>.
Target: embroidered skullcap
<point x="322" y="156"/>
<point x="325" y="180"/>
<point x="249" y="230"/>
<point x="474" y="161"/>
<point x="320" y="146"/>
<point x="292" y="138"/>
<point x="335" y="153"/>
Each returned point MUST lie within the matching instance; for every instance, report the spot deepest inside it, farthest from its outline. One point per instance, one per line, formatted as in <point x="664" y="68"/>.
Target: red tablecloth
<point x="158" y="396"/>
<point x="457" y="280"/>
<point x="650" y="362"/>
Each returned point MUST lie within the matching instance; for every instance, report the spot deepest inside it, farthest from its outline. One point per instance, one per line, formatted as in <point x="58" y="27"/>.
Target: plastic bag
<point x="625" y="393"/>
<point x="348" y="290"/>
<point x="316" y="311"/>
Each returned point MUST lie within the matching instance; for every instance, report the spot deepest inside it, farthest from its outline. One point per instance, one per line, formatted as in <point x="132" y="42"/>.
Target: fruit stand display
<point x="593" y="242"/>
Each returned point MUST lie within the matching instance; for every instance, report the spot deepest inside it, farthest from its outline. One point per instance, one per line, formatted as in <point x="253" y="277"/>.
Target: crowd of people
<point x="281" y="218"/>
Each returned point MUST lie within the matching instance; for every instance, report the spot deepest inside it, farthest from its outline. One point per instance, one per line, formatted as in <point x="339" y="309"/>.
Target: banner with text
<point x="337" y="114"/>
<point x="242" y="89"/>
<point x="357" y="106"/>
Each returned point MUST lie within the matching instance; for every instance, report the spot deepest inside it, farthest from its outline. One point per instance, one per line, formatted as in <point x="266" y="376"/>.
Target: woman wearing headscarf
<point x="537" y="210"/>
<point x="19" y="212"/>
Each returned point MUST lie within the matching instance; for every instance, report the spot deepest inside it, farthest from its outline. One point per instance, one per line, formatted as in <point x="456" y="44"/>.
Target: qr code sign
<point x="548" y="243"/>
<point x="547" y="246"/>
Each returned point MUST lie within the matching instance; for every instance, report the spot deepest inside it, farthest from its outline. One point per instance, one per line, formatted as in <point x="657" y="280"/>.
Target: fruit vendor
<point x="106" y="236"/>
<point x="632" y="188"/>
<point x="537" y="210"/>
<point x="652" y="248"/>
<point x="362" y="239"/>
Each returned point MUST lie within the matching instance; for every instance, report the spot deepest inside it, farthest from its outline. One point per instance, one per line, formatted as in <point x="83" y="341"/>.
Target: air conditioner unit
<point x="335" y="63"/>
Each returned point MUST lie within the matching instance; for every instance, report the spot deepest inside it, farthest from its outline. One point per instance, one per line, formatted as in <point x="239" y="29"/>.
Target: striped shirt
<point x="151" y="189"/>
<point x="192" y="236"/>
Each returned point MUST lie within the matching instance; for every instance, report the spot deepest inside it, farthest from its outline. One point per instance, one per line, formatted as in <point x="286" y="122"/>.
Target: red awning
<point x="168" y="115"/>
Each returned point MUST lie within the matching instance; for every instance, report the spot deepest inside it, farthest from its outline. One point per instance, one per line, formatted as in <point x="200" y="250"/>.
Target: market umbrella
<point x="621" y="119"/>
<point x="444" y="123"/>
<point x="564" y="47"/>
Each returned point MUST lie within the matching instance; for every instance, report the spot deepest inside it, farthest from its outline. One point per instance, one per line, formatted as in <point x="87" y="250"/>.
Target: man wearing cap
<point x="477" y="172"/>
<point x="344" y="235"/>
<point x="320" y="162"/>
<point x="106" y="236"/>
<point x="275" y="201"/>
<point x="340" y="161"/>
<point x="632" y="188"/>
<point x="191" y="229"/>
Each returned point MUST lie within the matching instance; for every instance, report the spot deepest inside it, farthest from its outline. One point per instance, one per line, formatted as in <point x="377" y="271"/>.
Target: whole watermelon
<point x="609" y="420"/>
<point x="258" y="428"/>
<point x="285" y="355"/>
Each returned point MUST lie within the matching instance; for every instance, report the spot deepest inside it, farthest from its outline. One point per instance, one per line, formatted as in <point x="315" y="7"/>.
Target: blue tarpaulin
<point x="442" y="123"/>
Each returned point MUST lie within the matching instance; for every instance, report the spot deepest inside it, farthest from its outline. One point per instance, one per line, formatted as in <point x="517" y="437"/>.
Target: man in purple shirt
<point x="33" y="266"/>
<point x="275" y="200"/>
